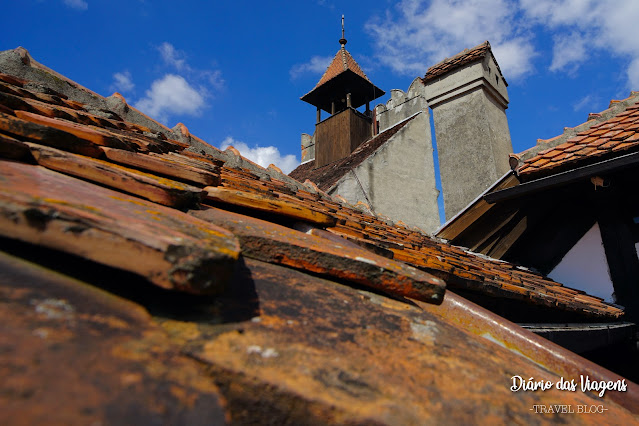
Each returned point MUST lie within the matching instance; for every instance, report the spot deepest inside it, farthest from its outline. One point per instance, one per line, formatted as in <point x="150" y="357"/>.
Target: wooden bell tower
<point x="343" y="88"/>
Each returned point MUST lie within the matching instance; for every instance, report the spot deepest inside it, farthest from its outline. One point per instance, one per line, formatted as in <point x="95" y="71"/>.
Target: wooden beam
<point x="492" y="231"/>
<point x="466" y="220"/>
<point x="616" y="224"/>
<point x="563" y="178"/>
<point x="556" y="222"/>
<point x="506" y="241"/>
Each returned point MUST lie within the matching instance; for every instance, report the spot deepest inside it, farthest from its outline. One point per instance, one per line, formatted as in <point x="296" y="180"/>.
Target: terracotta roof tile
<point x="243" y="189"/>
<point x="302" y="276"/>
<point x="596" y="142"/>
<point x="195" y="177"/>
<point x="465" y="57"/>
<point x="342" y="61"/>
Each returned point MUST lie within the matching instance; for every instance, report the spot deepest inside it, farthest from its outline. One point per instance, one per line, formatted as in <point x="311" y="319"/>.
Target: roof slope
<point x="327" y="176"/>
<point x="267" y="283"/>
<point x="343" y="61"/>
<point x="467" y="56"/>
<point x="600" y="140"/>
<point x="61" y="135"/>
<point x="342" y="76"/>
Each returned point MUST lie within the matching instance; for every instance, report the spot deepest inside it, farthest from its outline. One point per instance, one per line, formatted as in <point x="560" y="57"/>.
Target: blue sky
<point x="233" y="71"/>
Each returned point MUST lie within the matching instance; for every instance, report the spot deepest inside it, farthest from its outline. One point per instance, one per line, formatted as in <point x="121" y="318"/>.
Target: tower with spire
<point x="343" y="88"/>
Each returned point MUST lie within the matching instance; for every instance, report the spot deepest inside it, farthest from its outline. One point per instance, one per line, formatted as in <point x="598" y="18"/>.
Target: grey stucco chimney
<point x="468" y="96"/>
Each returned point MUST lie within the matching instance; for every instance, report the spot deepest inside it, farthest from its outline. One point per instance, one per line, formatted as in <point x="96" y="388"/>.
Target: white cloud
<point x="214" y="78"/>
<point x="420" y="33"/>
<point x="177" y="59"/>
<point x="176" y="94"/>
<point x="173" y="57"/>
<point x="515" y="57"/>
<point x="583" y="103"/>
<point x="325" y="3"/>
<point x="581" y="27"/>
<point x="263" y="155"/>
<point x="569" y="51"/>
<point x="170" y="95"/>
<point x="77" y="4"/>
<point x="316" y="65"/>
<point x="122" y="82"/>
<point x="633" y="74"/>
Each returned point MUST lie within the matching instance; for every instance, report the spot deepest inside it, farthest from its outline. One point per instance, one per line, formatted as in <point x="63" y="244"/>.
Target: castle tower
<point x="343" y="88"/>
<point x="468" y="96"/>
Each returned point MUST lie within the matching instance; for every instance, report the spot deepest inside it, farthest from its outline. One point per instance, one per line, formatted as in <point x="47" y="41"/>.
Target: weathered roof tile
<point x="181" y="252"/>
<point x="166" y="246"/>
<point x="465" y="57"/>
<point x="273" y="243"/>
<point x="596" y="142"/>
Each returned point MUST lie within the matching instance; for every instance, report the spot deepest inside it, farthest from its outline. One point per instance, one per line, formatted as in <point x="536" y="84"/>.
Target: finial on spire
<point x="342" y="40"/>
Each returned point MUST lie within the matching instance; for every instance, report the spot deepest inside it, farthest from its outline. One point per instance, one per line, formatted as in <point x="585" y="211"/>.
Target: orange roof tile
<point x="617" y="135"/>
<point x="342" y="76"/>
<point x="343" y="61"/>
<point x="300" y="295"/>
<point x="30" y="134"/>
<point x="465" y="57"/>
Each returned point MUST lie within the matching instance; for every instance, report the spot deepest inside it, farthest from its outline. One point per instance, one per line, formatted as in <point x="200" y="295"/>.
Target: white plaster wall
<point x="585" y="267"/>
<point x="473" y="142"/>
<point x="399" y="178"/>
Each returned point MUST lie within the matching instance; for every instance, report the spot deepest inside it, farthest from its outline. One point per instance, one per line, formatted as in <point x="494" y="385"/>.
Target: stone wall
<point x="471" y="130"/>
<point x="398" y="180"/>
<point x="308" y="147"/>
<point x="401" y="105"/>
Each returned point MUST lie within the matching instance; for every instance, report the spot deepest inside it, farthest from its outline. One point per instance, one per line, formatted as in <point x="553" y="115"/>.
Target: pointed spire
<point x="342" y="40"/>
<point x="342" y="77"/>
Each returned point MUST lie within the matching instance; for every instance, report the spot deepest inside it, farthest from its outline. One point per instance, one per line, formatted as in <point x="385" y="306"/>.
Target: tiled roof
<point x="60" y="135"/>
<point x="327" y="176"/>
<point x="342" y="62"/>
<point x="465" y="57"/>
<point x="299" y="310"/>
<point x="601" y="140"/>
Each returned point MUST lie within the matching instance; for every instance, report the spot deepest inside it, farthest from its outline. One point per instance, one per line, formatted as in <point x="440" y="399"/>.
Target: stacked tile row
<point x="92" y="185"/>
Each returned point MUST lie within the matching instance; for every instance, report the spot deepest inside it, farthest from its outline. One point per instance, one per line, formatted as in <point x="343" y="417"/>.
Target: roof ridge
<point x="614" y="108"/>
<point x="466" y="50"/>
<point x="462" y="58"/>
<point x="340" y="64"/>
<point x="326" y="179"/>
<point x="120" y="148"/>
<point x="25" y="63"/>
<point x="343" y="51"/>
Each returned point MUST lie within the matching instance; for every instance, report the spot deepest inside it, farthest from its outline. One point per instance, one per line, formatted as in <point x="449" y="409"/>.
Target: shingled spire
<point x="343" y="87"/>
